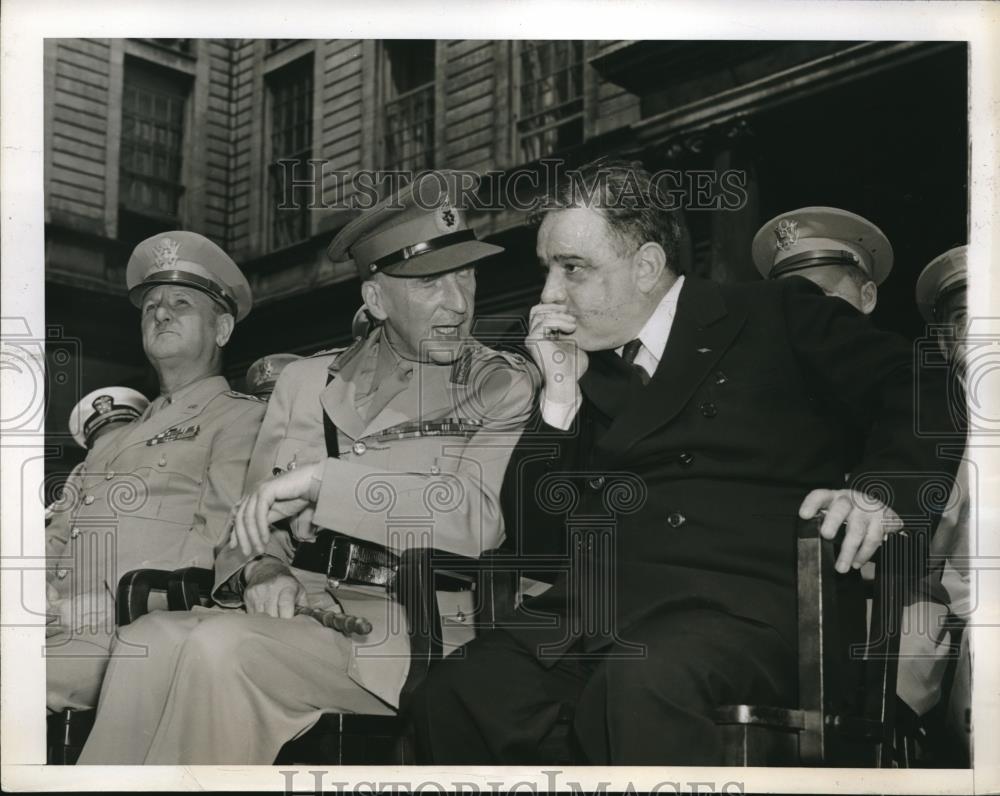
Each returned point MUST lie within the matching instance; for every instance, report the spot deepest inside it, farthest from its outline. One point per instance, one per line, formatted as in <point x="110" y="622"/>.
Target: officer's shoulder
<point x="242" y="396"/>
<point x="480" y="353"/>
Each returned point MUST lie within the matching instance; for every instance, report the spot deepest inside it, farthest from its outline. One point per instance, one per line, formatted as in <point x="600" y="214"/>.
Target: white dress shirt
<point x="653" y="336"/>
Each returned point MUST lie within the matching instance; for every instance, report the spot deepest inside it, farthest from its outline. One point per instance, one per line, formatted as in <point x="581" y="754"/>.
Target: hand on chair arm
<point x="271" y="588"/>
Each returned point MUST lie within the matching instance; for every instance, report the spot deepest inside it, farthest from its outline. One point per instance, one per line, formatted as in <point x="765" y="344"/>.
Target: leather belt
<point x="344" y="559"/>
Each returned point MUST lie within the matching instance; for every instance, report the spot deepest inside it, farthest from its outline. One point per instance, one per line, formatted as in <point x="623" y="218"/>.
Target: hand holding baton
<point x="344" y="623"/>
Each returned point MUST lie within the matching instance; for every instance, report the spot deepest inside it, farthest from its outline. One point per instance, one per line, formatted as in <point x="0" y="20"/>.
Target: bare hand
<point x="559" y="358"/>
<point x="272" y="590"/>
<point x="868" y="520"/>
<point x="287" y="495"/>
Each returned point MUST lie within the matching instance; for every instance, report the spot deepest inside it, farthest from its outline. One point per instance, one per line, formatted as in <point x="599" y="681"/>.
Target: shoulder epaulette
<point x="237" y="394"/>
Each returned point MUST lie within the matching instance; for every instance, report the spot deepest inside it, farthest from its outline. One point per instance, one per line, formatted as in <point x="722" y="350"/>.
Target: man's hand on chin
<point x="868" y="522"/>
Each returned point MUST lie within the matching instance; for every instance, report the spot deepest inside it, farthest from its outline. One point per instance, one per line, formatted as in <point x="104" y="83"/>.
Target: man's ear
<point x="650" y="262"/>
<point x="371" y="294"/>
<point x="869" y="297"/>
<point x="224" y="325"/>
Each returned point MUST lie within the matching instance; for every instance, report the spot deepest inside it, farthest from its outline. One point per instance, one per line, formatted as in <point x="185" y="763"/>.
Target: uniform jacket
<point x="156" y="492"/>
<point x="687" y="491"/>
<point x="397" y="483"/>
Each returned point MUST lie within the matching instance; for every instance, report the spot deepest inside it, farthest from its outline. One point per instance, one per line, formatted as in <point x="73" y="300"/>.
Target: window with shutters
<point x="548" y="76"/>
<point x="290" y="97"/>
<point x="407" y="122"/>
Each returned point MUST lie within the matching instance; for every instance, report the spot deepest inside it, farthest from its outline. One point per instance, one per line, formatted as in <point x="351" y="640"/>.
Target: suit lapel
<point x="703" y="328"/>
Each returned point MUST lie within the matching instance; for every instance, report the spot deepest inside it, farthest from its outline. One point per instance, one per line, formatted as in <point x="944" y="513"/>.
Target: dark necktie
<point x="629" y="352"/>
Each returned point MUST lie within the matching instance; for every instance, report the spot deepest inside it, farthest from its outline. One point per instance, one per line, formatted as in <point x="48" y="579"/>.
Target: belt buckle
<point x="339" y="563"/>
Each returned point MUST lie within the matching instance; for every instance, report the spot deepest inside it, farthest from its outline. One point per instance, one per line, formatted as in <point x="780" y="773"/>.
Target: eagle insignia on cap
<point x="165" y="253"/>
<point x="787" y="233"/>
<point x="103" y="404"/>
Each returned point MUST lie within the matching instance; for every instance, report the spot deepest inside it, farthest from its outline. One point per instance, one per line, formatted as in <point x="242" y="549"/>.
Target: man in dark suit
<point x="685" y="426"/>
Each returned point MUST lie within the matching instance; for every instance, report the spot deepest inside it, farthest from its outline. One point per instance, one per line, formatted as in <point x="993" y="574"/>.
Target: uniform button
<point x="596" y="483"/>
<point x="62" y="573"/>
<point x="359" y="448"/>
<point x="435" y="470"/>
<point x="163" y="461"/>
<point x="676" y="520"/>
<point x="685" y="458"/>
<point x="109" y="475"/>
<point x="88" y="500"/>
<point x="74" y="533"/>
<point x="720" y="377"/>
<point x="708" y="409"/>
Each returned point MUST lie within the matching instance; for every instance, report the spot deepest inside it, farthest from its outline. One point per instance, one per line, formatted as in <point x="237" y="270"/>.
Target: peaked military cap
<point x="815" y="236"/>
<point x="101" y="408"/>
<point x="943" y="276"/>
<point x="418" y="231"/>
<point x="263" y="374"/>
<point x="192" y="260"/>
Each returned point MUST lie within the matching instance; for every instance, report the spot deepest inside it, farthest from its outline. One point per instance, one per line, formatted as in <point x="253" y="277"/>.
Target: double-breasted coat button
<point x="676" y="519"/>
<point x="596" y="483"/>
<point x="708" y="409"/>
<point x="359" y="448"/>
<point x="88" y="499"/>
<point x="74" y="533"/>
<point x="685" y="458"/>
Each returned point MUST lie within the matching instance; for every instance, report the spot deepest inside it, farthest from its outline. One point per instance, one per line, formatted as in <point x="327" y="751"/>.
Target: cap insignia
<point x="103" y="404"/>
<point x="787" y="233"/>
<point x="165" y="253"/>
<point x="447" y="218"/>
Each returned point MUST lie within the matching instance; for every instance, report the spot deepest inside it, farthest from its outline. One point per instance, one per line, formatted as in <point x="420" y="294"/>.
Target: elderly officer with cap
<point x="844" y="254"/>
<point x="400" y="440"/>
<point x="925" y="649"/>
<point x="157" y="491"/>
<point x="263" y="374"/>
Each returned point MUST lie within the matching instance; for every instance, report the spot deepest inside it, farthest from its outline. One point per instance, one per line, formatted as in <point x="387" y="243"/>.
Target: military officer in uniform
<point x="95" y="415"/>
<point x="844" y="254"/>
<point x="155" y="492"/>
<point x="400" y="440"/>
<point x="925" y="648"/>
<point x="263" y="374"/>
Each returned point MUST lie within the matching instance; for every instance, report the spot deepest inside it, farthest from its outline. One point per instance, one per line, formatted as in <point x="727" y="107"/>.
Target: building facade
<point x="249" y="142"/>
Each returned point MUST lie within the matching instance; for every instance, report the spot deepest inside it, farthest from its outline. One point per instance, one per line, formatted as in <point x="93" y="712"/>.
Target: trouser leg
<point x="657" y="709"/>
<point x="493" y="705"/>
<point x="138" y="679"/>
<point x="76" y="651"/>
<point x="244" y="685"/>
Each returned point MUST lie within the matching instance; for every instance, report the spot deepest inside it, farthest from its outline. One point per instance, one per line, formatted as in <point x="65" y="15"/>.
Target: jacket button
<point x="685" y="458"/>
<point x="435" y="470"/>
<point x="676" y="520"/>
<point x="596" y="483"/>
<point x="163" y="461"/>
<point x="720" y="377"/>
<point x="88" y="500"/>
<point x="74" y="533"/>
<point x="109" y="475"/>
<point x="708" y="409"/>
<point x="62" y="573"/>
<point x="359" y="448"/>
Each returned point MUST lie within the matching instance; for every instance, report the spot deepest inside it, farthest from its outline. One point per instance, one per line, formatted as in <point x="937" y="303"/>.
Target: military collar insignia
<point x="175" y="433"/>
<point x="787" y="233"/>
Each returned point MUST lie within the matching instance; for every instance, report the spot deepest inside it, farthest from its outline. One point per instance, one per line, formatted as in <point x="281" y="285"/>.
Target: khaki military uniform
<point x="423" y="449"/>
<point x="154" y="493"/>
